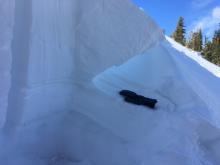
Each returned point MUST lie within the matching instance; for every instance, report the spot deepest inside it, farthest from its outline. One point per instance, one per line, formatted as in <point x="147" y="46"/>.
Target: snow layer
<point x="168" y="75"/>
<point x="204" y="80"/>
<point x="75" y="36"/>
<point x="6" y="19"/>
<point x="58" y="43"/>
<point x="72" y="114"/>
<point x="100" y="128"/>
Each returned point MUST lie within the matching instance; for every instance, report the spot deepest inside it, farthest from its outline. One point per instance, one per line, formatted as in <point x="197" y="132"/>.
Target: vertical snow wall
<point x="6" y="19"/>
<point x="57" y="44"/>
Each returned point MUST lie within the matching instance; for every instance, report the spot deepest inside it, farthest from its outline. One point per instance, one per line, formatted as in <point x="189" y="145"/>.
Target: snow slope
<point x="204" y="80"/>
<point x="196" y="56"/>
<point x="64" y="108"/>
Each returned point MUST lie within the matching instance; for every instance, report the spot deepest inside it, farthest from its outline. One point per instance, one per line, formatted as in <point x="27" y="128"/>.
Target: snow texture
<point x="204" y="80"/>
<point x="63" y="65"/>
<point x="62" y="43"/>
<point x="6" y="19"/>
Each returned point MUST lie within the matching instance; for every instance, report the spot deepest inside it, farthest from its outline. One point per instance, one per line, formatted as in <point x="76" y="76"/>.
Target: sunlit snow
<point x="62" y="64"/>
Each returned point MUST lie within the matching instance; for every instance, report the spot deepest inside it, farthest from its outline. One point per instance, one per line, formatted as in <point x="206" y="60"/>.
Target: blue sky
<point x="203" y="14"/>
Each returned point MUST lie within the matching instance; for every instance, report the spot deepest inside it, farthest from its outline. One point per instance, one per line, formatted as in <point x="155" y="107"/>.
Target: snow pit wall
<point x="71" y="42"/>
<point x="6" y="19"/>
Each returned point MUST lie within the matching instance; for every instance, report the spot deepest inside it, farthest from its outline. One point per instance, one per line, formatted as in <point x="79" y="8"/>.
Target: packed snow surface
<point x="65" y="62"/>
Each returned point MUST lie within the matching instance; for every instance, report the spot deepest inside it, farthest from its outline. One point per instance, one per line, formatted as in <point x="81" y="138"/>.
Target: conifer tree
<point x="216" y="47"/>
<point x="199" y="40"/>
<point x="189" y="43"/>
<point x="195" y="41"/>
<point x="207" y="50"/>
<point x="179" y="33"/>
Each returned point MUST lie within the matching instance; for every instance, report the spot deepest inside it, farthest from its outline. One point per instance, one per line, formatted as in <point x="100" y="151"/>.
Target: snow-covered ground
<point x="196" y="56"/>
<point x="63" y="103"/>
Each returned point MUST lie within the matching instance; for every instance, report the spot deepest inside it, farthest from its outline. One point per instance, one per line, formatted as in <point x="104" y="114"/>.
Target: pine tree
<point x="207" y="50"/>
<point x="200" y="40"/>
<point x="216" y="47"/>
<point x="179" y="33"/>
<point x="195" y="41"/>
<point x="189" y="43"/>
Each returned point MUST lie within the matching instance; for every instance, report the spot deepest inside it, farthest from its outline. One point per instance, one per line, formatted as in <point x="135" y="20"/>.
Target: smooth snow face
<point x="75" y="40"/>
<point x="58" y="43"/>
<point x="6" y="19"/>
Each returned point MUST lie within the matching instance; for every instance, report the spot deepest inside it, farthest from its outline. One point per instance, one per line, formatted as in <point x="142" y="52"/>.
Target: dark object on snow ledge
<point x="134" y="98"/>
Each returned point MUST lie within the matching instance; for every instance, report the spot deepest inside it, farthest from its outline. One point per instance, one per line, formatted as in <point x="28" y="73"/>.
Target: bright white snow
<point x="197" y="57"/>
<point x="56" y="44"/>
<point x="64" y="108"/>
